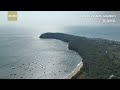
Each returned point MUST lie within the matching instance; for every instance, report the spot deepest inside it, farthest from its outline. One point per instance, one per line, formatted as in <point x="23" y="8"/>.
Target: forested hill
<point x="101" y="58"/>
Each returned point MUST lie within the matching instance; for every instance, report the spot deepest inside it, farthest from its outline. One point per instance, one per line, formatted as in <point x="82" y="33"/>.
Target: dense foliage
<point x="101" y="58"/>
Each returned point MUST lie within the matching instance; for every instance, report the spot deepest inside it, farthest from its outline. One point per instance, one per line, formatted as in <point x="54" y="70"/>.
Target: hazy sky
<point x="55" y="18"/>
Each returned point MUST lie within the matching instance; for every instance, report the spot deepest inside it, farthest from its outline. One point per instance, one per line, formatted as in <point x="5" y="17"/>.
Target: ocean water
<point x="24" y="55"/>
<point x="105" y="32"/>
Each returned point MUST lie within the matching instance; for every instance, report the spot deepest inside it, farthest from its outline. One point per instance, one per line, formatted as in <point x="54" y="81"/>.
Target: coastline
<point x="101" y="57"/>
<point x="76" y="71"/>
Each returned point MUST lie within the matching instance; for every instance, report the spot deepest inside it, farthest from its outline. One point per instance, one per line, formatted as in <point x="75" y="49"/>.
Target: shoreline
<point x="101" y="57"/>
<point x="75" y="71"/>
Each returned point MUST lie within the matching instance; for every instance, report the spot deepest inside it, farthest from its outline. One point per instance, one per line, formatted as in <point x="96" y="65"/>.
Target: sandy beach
<point x="75" y="71"/>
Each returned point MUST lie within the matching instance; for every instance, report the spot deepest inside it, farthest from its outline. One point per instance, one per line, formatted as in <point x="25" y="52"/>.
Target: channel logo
<point x="12" y="16"/>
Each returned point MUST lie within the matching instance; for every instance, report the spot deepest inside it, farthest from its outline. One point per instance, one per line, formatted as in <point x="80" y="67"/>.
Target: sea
<point x="23" y="55"/>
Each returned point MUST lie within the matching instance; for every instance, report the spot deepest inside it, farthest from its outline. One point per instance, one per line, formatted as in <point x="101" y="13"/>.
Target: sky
<point x="56" y="18"/>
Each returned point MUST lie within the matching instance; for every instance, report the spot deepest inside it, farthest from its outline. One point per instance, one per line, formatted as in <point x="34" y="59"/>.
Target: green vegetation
<point x="101" y="58"/>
